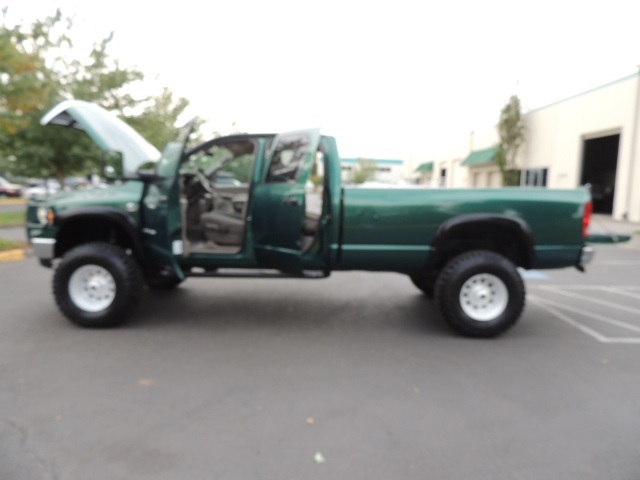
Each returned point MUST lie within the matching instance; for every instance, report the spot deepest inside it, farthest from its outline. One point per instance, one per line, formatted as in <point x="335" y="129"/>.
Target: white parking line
<point x="616" y="262"/>
<point x="617" y="291"/>
<point x="588" y="287"/>
<point x="593" y="300"/>
<point x="549" y="305"/>
<point x="595" y="316"/>
<point x="592" y="333"/>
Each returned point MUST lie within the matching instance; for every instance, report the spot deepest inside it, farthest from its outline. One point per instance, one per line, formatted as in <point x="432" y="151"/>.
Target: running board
<point x="255" y="273"/>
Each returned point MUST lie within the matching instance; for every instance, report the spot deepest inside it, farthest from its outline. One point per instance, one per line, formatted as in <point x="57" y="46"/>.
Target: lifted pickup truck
<point x="244" y="205"/>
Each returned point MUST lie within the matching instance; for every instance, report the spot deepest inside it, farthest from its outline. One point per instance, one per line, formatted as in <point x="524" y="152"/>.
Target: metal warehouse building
<point x="590" y="138"/>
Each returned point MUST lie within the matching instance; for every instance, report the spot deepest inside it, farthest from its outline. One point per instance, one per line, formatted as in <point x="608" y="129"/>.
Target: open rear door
<point x="279" y="201"/>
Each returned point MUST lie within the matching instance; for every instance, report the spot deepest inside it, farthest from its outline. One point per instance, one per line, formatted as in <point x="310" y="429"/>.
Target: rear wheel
<point x="480" y="294"/>
<point x="425" y="282"/>
<point x="97" y="285"/>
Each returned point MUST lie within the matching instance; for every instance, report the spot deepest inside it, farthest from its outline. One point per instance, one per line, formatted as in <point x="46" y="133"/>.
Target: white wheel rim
<point x="92" y="288"/>
<point x="484" y="297"/>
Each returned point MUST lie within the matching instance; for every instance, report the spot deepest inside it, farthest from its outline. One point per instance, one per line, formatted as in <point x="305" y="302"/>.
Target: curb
<point x="12" y="225"/>
<point x="14" y="201"/>
<point x="13" y="255"/>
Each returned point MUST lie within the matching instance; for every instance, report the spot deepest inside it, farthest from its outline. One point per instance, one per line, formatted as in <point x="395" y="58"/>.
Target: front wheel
<point x="97" y="285"/>
<point x="480" y="294"/>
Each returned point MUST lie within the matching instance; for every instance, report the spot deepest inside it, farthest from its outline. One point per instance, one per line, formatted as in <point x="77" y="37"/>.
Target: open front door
<point x="279" y="201"/>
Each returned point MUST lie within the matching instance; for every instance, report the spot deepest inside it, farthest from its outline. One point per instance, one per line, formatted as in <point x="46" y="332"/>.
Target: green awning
<point x="425" y="167"/>
<point x="479" y="157"/>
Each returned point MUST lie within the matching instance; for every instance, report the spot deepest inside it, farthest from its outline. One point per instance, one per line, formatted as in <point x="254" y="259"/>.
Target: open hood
<point x="106" y="130"/>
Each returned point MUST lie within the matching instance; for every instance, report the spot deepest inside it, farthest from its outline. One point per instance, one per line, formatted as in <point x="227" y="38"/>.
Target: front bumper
<point x="44" y="248"/>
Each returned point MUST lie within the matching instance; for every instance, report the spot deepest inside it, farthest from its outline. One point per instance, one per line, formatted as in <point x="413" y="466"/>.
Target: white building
<point x="590" y="138"/>
<point x="387" y="171"/>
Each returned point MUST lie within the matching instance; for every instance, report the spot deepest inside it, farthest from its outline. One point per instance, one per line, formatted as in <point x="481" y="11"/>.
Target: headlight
<point x="45" y="215"/>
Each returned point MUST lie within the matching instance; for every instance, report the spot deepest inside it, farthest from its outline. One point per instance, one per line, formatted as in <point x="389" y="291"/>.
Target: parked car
<point x="8" y="189"/>
<point x="42" y="189"/>
<point x="75" y="183"/>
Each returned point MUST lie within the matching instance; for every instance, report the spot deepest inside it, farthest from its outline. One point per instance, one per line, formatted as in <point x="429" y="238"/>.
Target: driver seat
<point x="222" y="228"/>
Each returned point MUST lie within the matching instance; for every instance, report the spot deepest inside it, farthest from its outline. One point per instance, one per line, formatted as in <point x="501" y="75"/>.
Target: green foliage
<point x="240" y="168"/>
<point x="365" y="171"/>
<point x="37" y="71"/>
<point x="53" y="151"/>
<point x="511" y="130"/>
<point x="158" y="118"/>
<point x="317" y="180"/>
<point x="511" y="178"/>
<point x="221" y="159"/>
<point x="25" y="80"/>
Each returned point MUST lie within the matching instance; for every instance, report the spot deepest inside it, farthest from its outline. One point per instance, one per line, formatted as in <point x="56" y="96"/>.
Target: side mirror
<point x="112" y="165"/>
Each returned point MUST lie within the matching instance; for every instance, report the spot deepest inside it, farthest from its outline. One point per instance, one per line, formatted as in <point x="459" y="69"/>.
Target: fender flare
<point x="515" y="225"/>
<point x="112" y="215"/>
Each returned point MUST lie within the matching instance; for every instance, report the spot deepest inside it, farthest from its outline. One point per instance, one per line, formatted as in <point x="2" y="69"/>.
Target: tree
<point x="37" y="71"/>
<point x="511" y="130"/>
<point x="365" y="171"/>
<point x="157" y="120"/>
<point x="24" y="79"/>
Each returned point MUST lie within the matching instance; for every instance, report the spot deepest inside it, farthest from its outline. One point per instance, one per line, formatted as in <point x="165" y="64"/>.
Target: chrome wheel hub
<point x="92" y="288"/>
<point x="484" y="297"/>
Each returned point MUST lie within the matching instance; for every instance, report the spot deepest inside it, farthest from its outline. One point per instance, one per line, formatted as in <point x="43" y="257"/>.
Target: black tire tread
<point x="424" y="282"/>
<point x="448" y="300"/>
<point x="127" y="273"/>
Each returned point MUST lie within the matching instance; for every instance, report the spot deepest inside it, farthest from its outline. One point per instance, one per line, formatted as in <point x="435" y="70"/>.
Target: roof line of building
<point x="381" y="161"/>
<point x="627" y="77"/>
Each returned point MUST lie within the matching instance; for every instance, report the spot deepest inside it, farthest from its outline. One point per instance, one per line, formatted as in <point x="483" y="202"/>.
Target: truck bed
<point x="396" y="228"/>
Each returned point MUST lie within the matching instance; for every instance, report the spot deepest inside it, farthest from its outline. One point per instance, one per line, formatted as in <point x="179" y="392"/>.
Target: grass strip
<point x="12" y="218"/>
<point x="9" y="245"/>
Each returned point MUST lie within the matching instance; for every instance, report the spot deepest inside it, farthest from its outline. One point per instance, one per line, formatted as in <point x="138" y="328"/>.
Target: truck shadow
<point x="301" y="307"/>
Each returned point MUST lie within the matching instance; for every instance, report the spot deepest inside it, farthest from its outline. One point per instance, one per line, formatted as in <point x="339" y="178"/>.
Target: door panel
<point x="279" y="207"/>
<point x="161" y="202"/>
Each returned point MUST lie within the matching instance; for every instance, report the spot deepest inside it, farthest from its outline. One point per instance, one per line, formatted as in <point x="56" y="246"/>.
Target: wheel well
<point x="82" y="230"/>
<point x="504" y="239"/>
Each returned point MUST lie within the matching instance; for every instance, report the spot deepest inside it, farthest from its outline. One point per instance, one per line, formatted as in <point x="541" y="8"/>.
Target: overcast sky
<point x="386" y="78"/>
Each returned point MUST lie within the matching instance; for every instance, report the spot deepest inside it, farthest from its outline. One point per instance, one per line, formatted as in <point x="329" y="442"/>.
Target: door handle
<point x="291" y="201"/>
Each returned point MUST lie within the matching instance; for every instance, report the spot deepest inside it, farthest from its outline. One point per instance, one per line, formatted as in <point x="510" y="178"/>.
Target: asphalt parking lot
<point x="352" y="377"/>
<point x="604" y="304"/>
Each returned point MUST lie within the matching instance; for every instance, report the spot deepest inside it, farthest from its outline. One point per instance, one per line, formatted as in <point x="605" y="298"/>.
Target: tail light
<point x="586" y="218"/>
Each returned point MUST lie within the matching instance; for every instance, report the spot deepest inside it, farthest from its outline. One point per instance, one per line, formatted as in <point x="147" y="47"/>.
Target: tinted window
<point x="287" y="158"/>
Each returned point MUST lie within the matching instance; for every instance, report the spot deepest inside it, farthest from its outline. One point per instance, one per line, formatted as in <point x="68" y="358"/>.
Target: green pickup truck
<point x="273" y="206"/>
